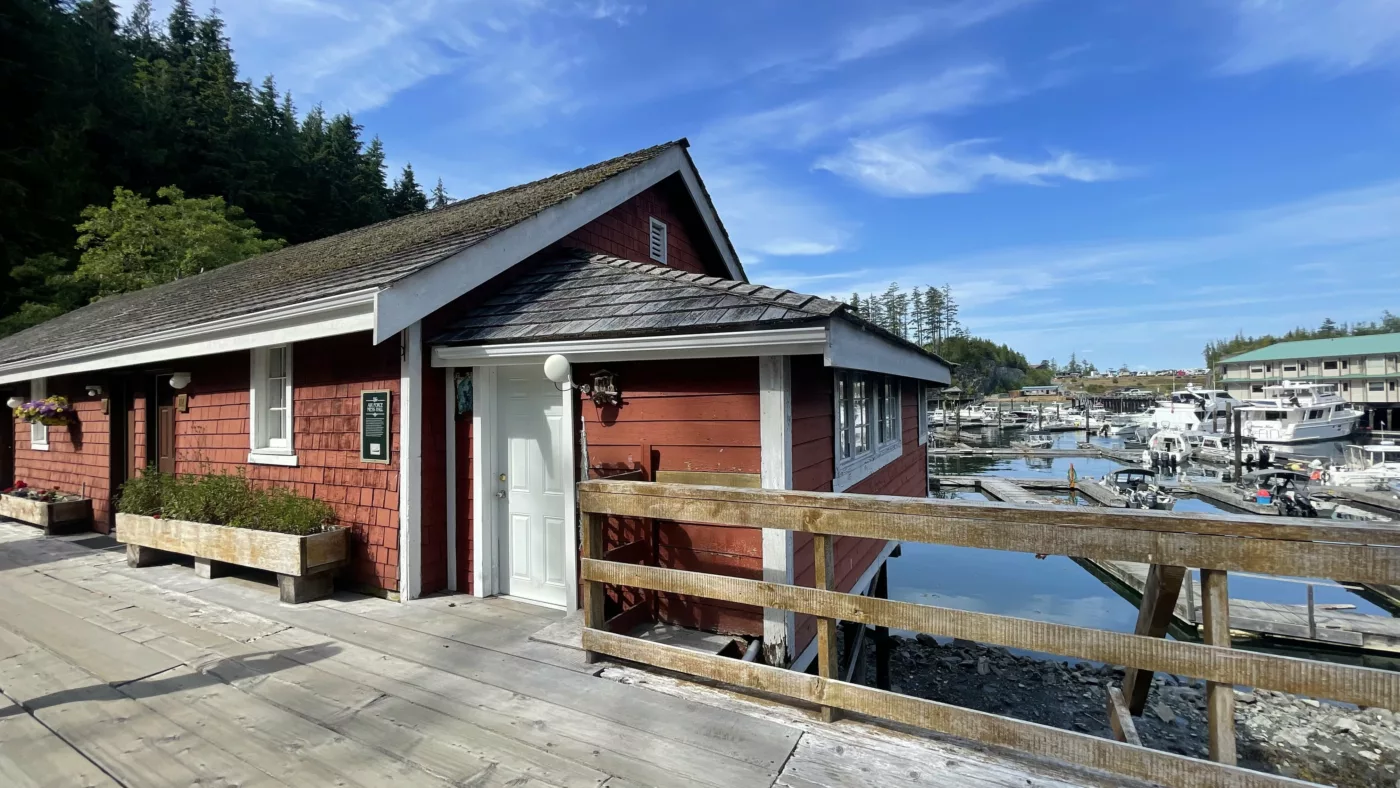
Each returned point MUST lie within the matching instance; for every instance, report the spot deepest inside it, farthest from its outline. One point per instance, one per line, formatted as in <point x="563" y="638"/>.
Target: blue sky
<point x="1121" y="179"/>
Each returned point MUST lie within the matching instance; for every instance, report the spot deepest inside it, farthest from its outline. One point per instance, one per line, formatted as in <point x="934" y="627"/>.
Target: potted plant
<point x="52" y="411"/>
<point x="221" y="519"/>
<point x="51" y="509"/>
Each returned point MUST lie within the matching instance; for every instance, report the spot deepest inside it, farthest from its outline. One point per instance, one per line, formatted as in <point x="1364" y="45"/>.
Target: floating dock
<point x="1316" y="625"/>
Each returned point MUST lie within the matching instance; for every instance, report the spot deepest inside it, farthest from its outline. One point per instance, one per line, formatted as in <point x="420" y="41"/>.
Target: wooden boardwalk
<point x="114" y="676"/>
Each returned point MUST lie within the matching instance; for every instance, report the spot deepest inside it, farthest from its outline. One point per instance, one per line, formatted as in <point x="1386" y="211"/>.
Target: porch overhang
<point x="839" y="343"/>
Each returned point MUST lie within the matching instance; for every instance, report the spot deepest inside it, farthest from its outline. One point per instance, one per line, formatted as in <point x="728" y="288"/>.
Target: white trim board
<point x="731" y="344"/>
<point x="421" y="293"/>
<point x="411" y="464"/>
<point x="775" y="431"/>
<point x="840" y="344"/>
<point x="484" y="556"/>
<point x="852" y="347"/>
<point x="804" y="660"/>
<point x="567" y="470"/>
<point x="324" y="317"/>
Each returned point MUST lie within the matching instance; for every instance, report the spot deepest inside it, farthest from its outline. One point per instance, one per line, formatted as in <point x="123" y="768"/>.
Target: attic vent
<point x="658" y="240"/>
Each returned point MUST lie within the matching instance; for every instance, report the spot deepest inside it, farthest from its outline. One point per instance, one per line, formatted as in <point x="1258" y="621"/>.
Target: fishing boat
<point x="1138" y="488"/>
<point x="1220" y="447"/>
<point x="1371" y="467"/>
<point x="1168" y="448"/>
<point x="1292" y="412"/>
<point x="1033" y="441"/>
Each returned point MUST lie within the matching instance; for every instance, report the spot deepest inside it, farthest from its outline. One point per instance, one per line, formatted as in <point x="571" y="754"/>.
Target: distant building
<point x="1365" y="368"/>
<point x="1042" y="391"/>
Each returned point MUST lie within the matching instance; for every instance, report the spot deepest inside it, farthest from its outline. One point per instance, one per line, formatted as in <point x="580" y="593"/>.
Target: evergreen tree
<point x="407" y="197"/>
<point x="440" y="197"/>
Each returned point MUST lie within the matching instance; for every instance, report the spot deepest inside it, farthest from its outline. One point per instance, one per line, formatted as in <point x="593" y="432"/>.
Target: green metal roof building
<point x="1366" y="370"/>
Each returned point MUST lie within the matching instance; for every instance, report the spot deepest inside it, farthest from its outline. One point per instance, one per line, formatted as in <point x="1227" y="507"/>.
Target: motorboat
<point x="1292" y="412"/>
<point x="1191" y="408"/>
<point x="1220" y="447"/>
<point x="1285" y="490"/>
<point x="1034" y="441"/>
<point x="1168" y="448"/>
<point x="1139" y="438"/>
<point x="1138" y="488"/>
<point x="1371" y="467"/>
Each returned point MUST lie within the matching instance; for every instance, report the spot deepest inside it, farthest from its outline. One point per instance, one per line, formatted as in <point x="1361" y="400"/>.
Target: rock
<point x="1348" y="725"/>
<point x="1245" y="697"/>
<point x="1369" y="755"/>
<point x="1309" y="702"/>
<point x="1083" y="679"/>
<point x="928" y="640"/>
<point x="984" y="666"/>
<point x="958" y="642"/>
<point x="1163" y="712"/>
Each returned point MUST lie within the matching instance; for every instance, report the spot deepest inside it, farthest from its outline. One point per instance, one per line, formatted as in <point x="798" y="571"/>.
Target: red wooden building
<point x="679" y="369"/>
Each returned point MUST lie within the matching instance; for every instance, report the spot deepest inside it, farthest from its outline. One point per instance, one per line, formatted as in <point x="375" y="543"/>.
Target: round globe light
<point x="179" y="380"/>
<point x="557" y="369"/>
<point x="14" y="402"/>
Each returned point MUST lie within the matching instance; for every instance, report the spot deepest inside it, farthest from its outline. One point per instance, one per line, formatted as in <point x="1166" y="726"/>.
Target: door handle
<point x="500" y="493"/>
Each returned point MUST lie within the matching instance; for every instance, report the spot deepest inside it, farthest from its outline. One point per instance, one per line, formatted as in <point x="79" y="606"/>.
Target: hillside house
<point x="681" y="370"/>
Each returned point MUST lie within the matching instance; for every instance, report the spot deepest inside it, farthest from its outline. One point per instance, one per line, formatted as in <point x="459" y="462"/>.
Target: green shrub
<point x="217" y="498"/>
<point x="281" y="510"/>
<point x="223" y="499"/>
<point x="143" y="494"/>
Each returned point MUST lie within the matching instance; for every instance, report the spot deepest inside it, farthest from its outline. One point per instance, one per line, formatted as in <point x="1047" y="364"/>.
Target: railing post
<point x="1159" y="596"/>
<point x="592" y="590"/>
<point x="827" y="664"/>
<point x="1220" y="698"/>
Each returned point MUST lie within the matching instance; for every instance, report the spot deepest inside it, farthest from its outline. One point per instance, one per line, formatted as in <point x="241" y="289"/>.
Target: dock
<point x="1321" y="625"/>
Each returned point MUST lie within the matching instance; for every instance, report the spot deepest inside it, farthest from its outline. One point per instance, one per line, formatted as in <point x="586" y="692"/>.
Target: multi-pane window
<point x="272" y="399"/>
<point x="867" y="414"/>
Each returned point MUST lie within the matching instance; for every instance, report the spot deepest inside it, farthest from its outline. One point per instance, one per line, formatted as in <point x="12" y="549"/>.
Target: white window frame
<point x="264" y="450"/>
<point x="38" y="433"/>
<point x="658" y="228"/>
<point x="857" y="465"/>
<point x="922" y="391"/>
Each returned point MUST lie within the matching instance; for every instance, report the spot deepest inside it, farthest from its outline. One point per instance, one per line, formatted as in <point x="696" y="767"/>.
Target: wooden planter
<point x="305" y="565"/>
<point x="62" y="517"/>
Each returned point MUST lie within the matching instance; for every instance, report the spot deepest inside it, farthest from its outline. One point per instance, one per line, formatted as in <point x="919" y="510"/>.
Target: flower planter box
<point x="60" y="517"/>
<point x="305" y="565"/>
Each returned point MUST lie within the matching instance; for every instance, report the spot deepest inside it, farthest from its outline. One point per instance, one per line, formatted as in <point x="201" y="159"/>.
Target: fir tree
<point x="440" y="197"/>
<point x="407" y="196"/>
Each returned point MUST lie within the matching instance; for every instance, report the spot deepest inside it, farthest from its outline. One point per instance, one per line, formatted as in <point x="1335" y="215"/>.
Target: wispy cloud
<point x="907" y="164"/>
<point x="894" y="31"/>
<point x="767" y="218"/>
<point x="1333" y="37"/>
<point x="844" y="111"/>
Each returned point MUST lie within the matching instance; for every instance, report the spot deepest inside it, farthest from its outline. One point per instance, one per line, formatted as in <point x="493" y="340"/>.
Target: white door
<point x="531" y="432"/>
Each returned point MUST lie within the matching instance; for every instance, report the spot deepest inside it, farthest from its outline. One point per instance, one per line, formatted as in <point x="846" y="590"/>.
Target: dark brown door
<point x="165" y="438"/>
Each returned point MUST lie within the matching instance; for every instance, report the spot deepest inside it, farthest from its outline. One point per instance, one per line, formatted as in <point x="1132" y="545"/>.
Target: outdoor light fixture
<point x="14" y="402"/>
<point x="179" y="380"/>
<point x="557" y="369"/>
<point x="94" y="390"/>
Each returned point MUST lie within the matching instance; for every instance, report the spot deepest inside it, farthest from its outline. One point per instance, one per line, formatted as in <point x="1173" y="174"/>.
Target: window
<point x="1392" y="385"/>
<point x="1315" y="414"/>
<point x="1256" y="370"/>
<point x="867" y="425"/>
<point x="1290" y="367"/>
<point x="658" y="240"/>
<point x="922" y="392"/>
<point x="38" y="433"/>
<point x="1375" y="385"/>
<point x="1268" y="367"/>
<point x="271" y="406"/>
<point x="1303" y="365"/>
<point x="1345" y="364"/>
<point x="1329" y="365"/>
<point x="1256" y="389"/>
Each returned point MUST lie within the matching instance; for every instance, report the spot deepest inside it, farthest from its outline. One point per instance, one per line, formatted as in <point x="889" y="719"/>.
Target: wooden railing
<point x="1358" y="552"/>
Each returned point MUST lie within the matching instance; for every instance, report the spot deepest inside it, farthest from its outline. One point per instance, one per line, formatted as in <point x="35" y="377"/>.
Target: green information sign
<point x="374" y="426"/>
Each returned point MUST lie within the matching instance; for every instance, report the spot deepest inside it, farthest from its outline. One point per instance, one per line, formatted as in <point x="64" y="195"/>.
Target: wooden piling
<point x="1220" y="698"/>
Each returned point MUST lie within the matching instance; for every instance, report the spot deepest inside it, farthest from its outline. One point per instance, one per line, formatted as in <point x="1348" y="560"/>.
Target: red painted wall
<point x="433" y="504"/>
<point x="466" y="475"/>
<point x="813" y="428"/>
<point x="693" y="416"/>
<point x="76" y="461"/>
<point x="625" y="231"/>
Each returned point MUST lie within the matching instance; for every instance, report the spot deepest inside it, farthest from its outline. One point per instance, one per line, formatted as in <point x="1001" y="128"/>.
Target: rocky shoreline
<point x="1324" y="742"/>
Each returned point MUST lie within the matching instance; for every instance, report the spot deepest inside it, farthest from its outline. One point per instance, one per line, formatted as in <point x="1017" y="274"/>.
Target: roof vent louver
<point x="658" y="240"/>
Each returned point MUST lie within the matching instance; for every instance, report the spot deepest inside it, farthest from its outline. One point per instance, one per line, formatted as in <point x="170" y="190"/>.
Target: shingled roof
<point x="579" y="295"/>
<point x="365" y="259"/>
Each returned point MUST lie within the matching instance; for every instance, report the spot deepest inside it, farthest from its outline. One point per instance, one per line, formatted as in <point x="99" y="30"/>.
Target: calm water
<point x="1056" y="589"/>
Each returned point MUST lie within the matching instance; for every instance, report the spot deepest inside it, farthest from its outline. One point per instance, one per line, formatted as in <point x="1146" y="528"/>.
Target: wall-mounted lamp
<point x="94" y="390"/>
<point x="179" y="380"/>
<point x="14" y="402"/>
<point x="557" y="369"/>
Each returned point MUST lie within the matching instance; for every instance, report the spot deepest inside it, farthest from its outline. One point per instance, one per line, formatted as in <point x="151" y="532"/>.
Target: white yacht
<point x="1191" y="408"/>
<point x="1168" y="447"/>
<point x="1373" y="467"/>
<point x="1291" y="412"/>
<point x="1220" y="447"/>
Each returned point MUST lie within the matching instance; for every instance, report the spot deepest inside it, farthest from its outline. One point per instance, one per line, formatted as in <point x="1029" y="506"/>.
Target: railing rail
<point x="1170" y="542"/>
